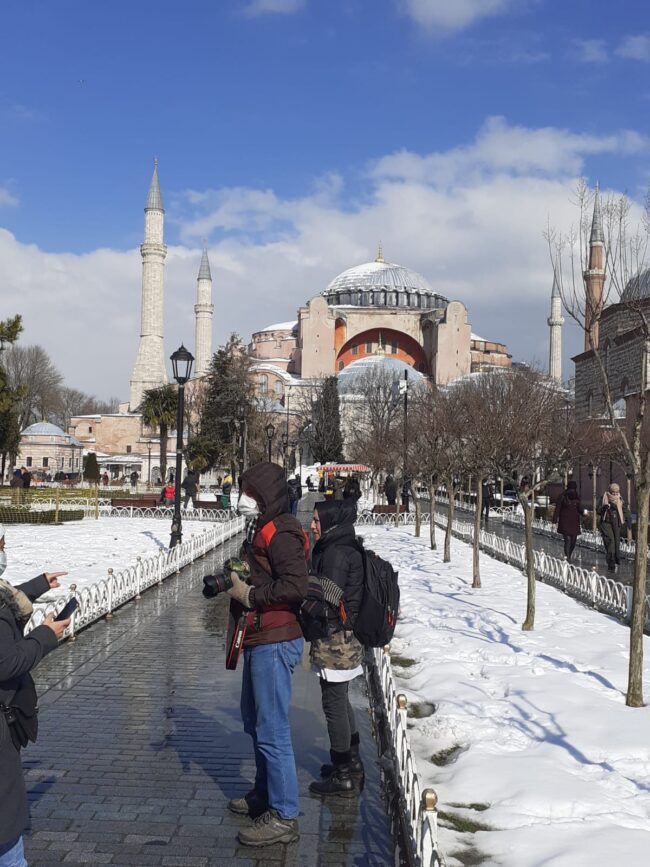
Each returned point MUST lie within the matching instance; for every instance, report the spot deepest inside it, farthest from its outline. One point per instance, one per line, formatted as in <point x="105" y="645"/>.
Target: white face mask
<point x="247" y="506"/>
<point x="3" y="561"/>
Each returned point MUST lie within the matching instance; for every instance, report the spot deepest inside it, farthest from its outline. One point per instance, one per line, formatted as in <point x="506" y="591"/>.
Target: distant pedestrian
<point x="390" y="489"/>
<point x="487" y="500"/>
<point x="105" y="479"/>
<point x="16" y="485"/>
<point x="567" y="517"/>
<point x="294" y="487"/>
<point x="613" y="518"/>
<point x="189" y="485"/>
<point x="168" y="495"/>
<point x="26" y="476"/>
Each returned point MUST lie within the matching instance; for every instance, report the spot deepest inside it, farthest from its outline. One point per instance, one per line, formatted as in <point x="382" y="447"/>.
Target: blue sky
<point x="292" y="135"/>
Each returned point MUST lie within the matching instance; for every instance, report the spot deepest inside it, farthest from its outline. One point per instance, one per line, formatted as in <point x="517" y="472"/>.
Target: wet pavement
<point x="141" y="747"/>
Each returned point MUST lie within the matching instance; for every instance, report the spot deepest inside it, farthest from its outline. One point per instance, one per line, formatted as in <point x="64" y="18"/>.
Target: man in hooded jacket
<point x="276" y="550"/>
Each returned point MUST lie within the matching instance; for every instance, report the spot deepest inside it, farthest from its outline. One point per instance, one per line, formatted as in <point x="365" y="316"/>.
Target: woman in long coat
<point x="19" y="654"/>
<point x="613" y="519"/>
<point x="567" y="518"/>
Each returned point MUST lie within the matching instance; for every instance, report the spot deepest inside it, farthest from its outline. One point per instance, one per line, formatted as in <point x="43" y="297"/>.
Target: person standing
<point x="567" y="517"/>
<point x="613" y="518"/>
<point x="26" y="477"/>
<point x="487" y="499"/>
<point x="19" y="654"/>
<point x="294" y="488"/>
<point x="133" y="478"/>
<point x="276" y="551"/>
<point x="189" y="485"/>
<point x="16" y="485"/>
<point x="337" y="658"/>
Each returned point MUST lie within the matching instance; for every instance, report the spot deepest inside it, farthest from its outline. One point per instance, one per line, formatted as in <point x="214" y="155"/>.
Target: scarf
<point x="251" y="528"/>
<point x="15" y="600"/>
<point x="610" y="500"/>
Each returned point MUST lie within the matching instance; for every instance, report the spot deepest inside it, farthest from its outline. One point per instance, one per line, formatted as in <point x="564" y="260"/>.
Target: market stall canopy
<point x="345" y="468"/>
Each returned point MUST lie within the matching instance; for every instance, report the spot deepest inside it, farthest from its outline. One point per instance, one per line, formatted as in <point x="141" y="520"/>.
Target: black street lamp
<point x="182" y="367"/>
<point x="270" y="433"/>
<point x="285" y="451"/>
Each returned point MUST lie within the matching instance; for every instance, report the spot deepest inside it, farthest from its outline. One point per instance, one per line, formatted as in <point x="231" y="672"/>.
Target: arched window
<point x="278" y="388"/>
<point x="341" y="365"/>
<point x="590" y="404"/>
<point x="263" y="385"/>
<point x="354" y="349"/>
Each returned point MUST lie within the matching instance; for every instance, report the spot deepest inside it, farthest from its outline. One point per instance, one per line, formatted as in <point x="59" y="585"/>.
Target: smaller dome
<point x="351" y="378"/>
<point x="637" y="288"/>
<point x="280" y="326"/>
<point x="44" y="428"/>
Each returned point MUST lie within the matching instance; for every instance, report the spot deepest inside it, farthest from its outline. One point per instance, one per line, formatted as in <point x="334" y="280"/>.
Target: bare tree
<point x="371" y="417"/>
<point x="599" y="263"/>
<point x="32" y="368"/>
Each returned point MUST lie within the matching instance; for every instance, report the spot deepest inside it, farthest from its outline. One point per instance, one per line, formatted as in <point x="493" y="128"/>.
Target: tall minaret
<point x="555" y="323"/>
<point x="594" y="276"/>
<point x="149" y="370"/>
<point x="203" y="309"/>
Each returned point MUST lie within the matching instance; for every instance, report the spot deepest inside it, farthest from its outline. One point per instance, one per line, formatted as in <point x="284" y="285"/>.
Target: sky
<point x="292" y="136"/>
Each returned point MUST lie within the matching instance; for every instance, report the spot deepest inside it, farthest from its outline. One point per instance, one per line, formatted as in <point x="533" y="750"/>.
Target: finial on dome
<point x="380" y="253"/>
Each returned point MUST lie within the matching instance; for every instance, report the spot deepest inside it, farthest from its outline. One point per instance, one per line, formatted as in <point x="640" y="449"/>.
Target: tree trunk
<point x="450" y="518"/>
<point x="163" y="452"/>
<point x="634" y="696"/>
<point x="418" y="510"/>
<point x="432" y="522"/>
<point x="529" y="622"/>
<point x="2" y="471"/>
<point x="476" y="542"/>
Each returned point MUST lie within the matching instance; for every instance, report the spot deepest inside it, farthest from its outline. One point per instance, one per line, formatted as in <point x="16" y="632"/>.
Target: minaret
<point x="555" y="323"/>
<point x="594" y="276"/>
<point x="203" y="309"/>
<point x="149" y="370"/>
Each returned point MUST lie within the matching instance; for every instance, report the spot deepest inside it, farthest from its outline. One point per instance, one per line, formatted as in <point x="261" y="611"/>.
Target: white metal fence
<point x="102" y="598"/>
<point x="419" y="824"/>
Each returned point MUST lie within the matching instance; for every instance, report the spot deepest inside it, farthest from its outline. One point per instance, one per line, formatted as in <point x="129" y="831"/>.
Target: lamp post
<point x="149" y="464"/>
<point x="404" y="388"/>
<point x="594" y="472"/>
<point x="300" y="456"/>
<point x="285" y="447"/>
<point x="182" y="366"/>
<point x="270" y="433"/>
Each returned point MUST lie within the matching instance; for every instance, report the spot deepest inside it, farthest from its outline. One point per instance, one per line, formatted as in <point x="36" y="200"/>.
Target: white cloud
<point x="470" y="219"/>
<point x="591" y="50"/>
<point x="265" y="7"/>
<point x="7" y="200"/>
<point x="635" y="48"/>
<point x="448" y="16"/>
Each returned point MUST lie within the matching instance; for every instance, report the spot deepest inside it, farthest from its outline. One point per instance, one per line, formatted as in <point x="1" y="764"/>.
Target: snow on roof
<point x="476" y="337"/>
<point x="280" y="326"/>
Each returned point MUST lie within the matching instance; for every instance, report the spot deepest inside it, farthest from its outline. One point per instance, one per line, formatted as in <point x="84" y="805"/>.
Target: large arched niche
<point x="394" y="344"/>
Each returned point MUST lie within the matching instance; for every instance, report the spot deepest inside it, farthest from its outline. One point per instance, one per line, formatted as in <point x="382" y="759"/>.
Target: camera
<point x="215" y="584"/>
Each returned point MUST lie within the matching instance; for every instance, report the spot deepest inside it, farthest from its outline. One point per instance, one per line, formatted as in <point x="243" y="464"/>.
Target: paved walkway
<point x="141" y="746"/>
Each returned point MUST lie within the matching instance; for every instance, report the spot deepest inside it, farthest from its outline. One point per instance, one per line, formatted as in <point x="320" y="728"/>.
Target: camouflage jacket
<point x="341" y="651"/>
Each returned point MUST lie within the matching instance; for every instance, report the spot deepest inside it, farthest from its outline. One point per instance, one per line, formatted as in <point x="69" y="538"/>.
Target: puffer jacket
<point x="336" y="555"/>
<point x="18" y="656"/>
<point x="277" y="560"/>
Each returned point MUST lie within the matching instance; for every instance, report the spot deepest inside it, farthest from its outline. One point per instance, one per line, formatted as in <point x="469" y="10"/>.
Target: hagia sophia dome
<point x="382" y="284"/>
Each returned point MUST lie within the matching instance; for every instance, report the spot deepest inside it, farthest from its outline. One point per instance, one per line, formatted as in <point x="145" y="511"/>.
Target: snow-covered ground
<point x="85" y="549"/>
<point x="544" y="748"/>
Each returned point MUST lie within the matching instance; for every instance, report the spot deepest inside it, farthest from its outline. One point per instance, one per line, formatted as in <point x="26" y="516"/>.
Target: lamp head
<point x="182" y="361"/>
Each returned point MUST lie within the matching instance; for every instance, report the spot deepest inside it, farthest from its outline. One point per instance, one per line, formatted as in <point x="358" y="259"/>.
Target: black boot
<point x="356" y="765"/>
<point x="340" y="781"/>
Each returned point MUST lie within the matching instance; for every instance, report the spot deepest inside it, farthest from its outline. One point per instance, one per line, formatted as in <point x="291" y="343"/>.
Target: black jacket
<point x="336" y="555"/>
<point x="294" y="489"/>
<point x="190" y="482"/>
<point x="18" y="656"/>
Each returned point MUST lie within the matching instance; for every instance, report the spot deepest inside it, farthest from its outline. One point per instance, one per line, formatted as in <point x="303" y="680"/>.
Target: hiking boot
<point x="268" y="829"/>
<point x="356" y="765"/>
<point x="252" y="804"/>
<point x="340" y="781"/>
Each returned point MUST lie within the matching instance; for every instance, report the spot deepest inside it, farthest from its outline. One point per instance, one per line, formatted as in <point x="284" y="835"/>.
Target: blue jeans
<point x="293" y="505"/>
<point x="13" y="857"/>
<point x="265" y="700"/>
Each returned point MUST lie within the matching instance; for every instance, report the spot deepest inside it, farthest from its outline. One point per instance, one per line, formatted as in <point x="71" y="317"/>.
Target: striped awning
<point x="345" y="468"/>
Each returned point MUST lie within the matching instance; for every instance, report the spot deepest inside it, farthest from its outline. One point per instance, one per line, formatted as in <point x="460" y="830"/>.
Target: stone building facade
<point x="47" y="450"/>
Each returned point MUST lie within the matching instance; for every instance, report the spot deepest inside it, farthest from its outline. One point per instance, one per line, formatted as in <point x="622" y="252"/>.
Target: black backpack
<point x="375" y="622"/>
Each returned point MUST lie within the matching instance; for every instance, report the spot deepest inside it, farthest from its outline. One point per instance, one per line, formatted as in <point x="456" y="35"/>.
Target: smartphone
<point x="68" y="609"/>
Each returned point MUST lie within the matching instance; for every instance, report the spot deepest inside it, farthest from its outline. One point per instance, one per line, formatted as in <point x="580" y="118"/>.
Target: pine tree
<point x="91" y="468"/>
<point x="324" y="433"/>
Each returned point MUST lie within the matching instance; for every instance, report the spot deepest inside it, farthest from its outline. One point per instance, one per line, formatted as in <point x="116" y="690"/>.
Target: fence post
<point x="628" y="603"/>
<point x="565" y="574"/>
<point x="593" y="585"/>
<point x="430" y="840"/>
<point x="161" y="557"/>
<point x="96" y="502"/>
<point x="57" y="503"/>
<point x="109" y="613"/>
<point x="177" y="550"/>
<point x="138" y="577"/>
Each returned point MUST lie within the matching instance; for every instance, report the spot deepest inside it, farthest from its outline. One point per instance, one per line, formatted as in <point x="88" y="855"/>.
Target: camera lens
<point x="215" y="584"/>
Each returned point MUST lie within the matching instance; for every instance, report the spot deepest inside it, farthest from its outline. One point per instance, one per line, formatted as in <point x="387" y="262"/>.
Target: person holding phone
<point x="19" y="654"/>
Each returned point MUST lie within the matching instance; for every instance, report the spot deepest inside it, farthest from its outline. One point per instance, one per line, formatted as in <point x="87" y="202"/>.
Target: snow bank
<point x="85" y="549"/>
<point x="536" y="722"/>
